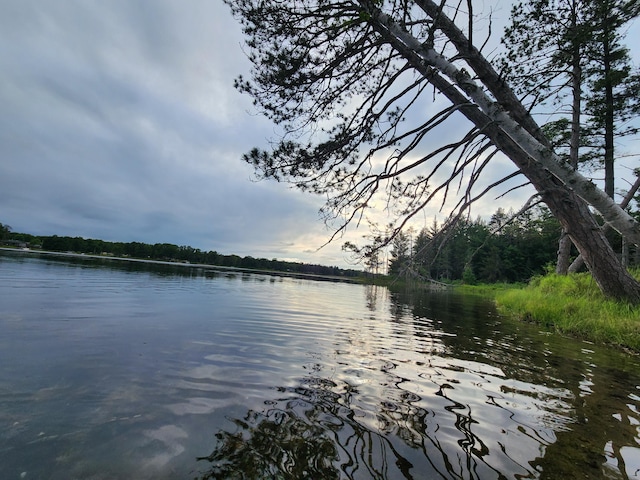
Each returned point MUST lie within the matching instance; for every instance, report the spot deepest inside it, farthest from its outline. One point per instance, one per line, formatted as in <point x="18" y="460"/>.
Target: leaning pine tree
<point x="359" y="90"/>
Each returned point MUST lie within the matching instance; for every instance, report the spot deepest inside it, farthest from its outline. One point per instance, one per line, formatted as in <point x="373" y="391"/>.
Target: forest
<point x="163" y="251"/>
<point x="507" y="248"/>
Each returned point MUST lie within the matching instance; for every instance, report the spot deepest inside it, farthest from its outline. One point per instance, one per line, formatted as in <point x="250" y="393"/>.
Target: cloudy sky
<point x="119" y="121"/>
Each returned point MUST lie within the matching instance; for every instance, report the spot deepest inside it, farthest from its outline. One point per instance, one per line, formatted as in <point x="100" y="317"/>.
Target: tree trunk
<point x="564" y="254"/>
<point x="564" y="246"/>
<point x="578" y="262"/>
<point x="613" y="279"/>
<point x="576" y="265"/>
<point x="573" y="214"/>
<point x="609" y="114"/>
<point x="624" y="254"/>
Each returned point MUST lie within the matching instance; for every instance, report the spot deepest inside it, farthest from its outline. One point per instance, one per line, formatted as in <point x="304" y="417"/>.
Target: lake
<point x="120" y="370"/>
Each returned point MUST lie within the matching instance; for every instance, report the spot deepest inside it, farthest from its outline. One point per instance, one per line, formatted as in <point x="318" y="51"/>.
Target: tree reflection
<point x="280" y="443"/>
<point x="595" y="433"/>
<point x="310" y="433"/>
<point x="442" y="396"/>
<point x="316" y="431"/>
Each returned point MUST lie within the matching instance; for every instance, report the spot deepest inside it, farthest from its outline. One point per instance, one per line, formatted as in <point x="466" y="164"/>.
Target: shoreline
<point x="307" y="276"/>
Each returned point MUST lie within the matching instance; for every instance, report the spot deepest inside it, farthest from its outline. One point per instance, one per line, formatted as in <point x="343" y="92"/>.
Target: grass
<point x="573" y="305"/>
<point x="491" y="289"/>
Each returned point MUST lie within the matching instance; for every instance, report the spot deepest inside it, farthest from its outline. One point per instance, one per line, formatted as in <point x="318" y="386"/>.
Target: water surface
<point x="116" y="370"/>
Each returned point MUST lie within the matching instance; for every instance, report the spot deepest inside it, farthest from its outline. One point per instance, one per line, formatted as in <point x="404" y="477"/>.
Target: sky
<point x="119" y="121"/>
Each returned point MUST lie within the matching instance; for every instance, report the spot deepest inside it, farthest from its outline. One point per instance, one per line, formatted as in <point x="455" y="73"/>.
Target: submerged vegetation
<point x="574" y="305"/>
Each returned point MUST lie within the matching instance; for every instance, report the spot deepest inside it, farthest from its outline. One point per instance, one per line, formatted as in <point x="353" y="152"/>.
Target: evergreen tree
<point x="5" y="230"/>
<point x="400" y="255"/>
<point x="613" y="95"/>
<point x="572" y="48"/>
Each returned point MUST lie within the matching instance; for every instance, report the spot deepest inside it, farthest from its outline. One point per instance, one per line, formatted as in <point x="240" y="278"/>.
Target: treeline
<point x="500" y="250"/>
<point x="165" y="252"/>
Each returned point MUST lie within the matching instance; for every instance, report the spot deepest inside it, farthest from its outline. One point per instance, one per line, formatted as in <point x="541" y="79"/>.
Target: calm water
<point x="120" y="370"/>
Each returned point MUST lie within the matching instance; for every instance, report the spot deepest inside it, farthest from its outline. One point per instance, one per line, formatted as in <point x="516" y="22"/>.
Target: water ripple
<point x="136" y="373"/>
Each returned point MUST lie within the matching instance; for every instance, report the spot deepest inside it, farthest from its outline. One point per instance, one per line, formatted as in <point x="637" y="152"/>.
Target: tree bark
<point x="578" y="262"/>
<point x="624" y="253"/>
<point x="564" y="254"/>
<point x="576" y="265"/>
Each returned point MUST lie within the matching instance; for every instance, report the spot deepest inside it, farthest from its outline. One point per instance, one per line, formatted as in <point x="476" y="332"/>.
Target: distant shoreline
<point x="307" y="276"/>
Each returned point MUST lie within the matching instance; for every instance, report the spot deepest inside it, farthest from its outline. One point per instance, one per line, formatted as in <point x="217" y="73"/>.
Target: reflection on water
<point x="315" y="432"/>
<point x="402" y="411"/>
<point x="112" y="371"/>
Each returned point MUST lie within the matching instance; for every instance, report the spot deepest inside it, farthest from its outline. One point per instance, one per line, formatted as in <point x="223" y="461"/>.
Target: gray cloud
<point x="120" y="122"/>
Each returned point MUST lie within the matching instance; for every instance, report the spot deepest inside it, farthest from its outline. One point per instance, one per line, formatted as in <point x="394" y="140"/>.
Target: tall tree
<point x="548" y="69"/>
<point x="5" y="230"/>
<point x="400" y="254"/>
<point x="348" y="81"/>
<point x="572" y="48"/>
<point x="614" y="88"/>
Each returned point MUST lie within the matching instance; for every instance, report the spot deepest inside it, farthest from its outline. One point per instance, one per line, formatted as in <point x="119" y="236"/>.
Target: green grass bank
<point x="573" y="305"/>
